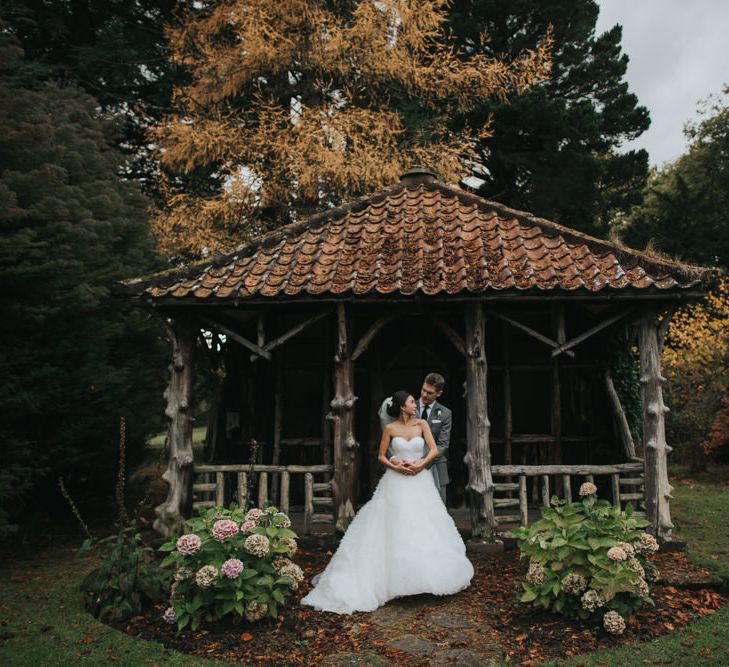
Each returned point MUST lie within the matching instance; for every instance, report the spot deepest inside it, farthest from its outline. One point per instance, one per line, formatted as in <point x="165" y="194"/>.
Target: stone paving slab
<point x="365" y="659"/>
<point x="447" y="619"/>
<point x="412" y="644"/>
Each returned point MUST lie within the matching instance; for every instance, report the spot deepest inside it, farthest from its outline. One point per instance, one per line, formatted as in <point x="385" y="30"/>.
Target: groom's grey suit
<point x="439" y="420"/>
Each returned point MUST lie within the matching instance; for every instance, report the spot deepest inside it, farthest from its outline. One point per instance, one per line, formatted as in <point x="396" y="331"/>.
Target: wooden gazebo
<point x="363" y="299"/>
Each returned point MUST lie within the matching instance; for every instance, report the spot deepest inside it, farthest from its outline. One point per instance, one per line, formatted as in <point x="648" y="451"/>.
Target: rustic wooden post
<point x="342" y="417"/>
<point x="478" y="455"/>
<point x="277" y="417"/>
<point x="179" y="473"/>
<point x="626" y="437"/>
<point x="655" y="449"/>
<point x="308" y="502"/>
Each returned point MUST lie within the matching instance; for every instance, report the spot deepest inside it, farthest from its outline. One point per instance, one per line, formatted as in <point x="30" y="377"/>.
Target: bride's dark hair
<point x="397" y="401"/>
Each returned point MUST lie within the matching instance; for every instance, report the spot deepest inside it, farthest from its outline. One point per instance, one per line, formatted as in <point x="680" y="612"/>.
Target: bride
<point x="403" y="541"/>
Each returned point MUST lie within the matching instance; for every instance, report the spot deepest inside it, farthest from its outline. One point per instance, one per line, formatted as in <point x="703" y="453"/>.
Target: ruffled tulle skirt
<point x="402" y="542"/>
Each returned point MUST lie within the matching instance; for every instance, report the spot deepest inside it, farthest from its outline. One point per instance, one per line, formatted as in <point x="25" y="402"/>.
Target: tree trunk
<point x="478" y="457"/>
<point x="178" y="505"/>
<point x="342" y="417"/>
<point x="655" y="449"/>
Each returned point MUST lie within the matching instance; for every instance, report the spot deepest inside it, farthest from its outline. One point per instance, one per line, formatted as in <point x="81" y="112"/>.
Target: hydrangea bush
<point x="230" y="561"/>
<point x="588" y="560"/>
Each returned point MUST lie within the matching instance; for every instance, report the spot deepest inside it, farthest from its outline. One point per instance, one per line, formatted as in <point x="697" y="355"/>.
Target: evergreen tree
<point x="684" y="212"/>
<point x="553" y="148"/>
<point x="113" y="49"/>
<point x="73" y="358"/>
<point x="294" y="106"/>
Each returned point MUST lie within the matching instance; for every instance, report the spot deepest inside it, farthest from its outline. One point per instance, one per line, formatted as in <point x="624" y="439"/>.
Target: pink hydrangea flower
<point x="189" y="544"/>
<point x="232" y="568"/>
<point x="253" y="514"/>
<point x="169" y="616"/>
<point x="247" y="525"/>
<point x="224" y="530"/>
<point x="617" y="554"/>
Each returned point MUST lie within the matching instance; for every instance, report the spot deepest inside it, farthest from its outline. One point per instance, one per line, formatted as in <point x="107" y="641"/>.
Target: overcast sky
<point x="679" y="54"/>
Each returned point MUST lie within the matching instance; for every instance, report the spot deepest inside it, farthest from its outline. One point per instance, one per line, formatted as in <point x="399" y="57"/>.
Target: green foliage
<point x="586" y="558"/>
<point x="204" y="591"/>
<point x="128" y="581"/>
<point x="553" y="151"/>
<point x="73" y="357"/>
<point x="112" y="49"/>
<point x="684" y="212"/>
<point x="624" y="364"/>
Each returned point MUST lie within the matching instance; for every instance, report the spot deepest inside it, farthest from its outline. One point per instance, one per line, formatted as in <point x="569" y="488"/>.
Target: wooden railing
<point x="564" y="473"/>
<point x="318" y="500"/>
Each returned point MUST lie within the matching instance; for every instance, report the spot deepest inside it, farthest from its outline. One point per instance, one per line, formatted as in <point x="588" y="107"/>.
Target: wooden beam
<point x="590" y="332"/>
<point x="236" y="337"/>
<point x="373" y="330"/>
<point x="478" y="456"/>
<point x="291" y="333"/>
<point x="655" y="448"/>
<point x="578" y="470"/>
<point x="528" y="330"/>
<point x="626" y="438"/>
<point x="179" y="474"/>
<point x="450" y="333"/>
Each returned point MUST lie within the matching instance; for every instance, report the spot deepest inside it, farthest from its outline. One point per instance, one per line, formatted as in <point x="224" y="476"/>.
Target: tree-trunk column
<point x="178" y="506"/>
<point x="342" y="417"/>
<point x="478" y="457"/>
<point x="655" y="449"/>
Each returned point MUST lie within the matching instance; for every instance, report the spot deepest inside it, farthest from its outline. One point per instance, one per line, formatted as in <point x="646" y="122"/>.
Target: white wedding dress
<point x="402" y="542"/>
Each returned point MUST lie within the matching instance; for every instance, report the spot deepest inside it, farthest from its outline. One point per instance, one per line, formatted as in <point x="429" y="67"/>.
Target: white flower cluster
<point x="614" y="623"/>
<point x="206" y="576"/>
<point x="643" y="589"/>
<point x="635" y="566"/>
<point x="255" y="611"/>
<point x="536" y="574"/>
<point x="587" y="489"/>
<point x="286" y="568"/>
<point x="626" y="547"/>
<point x="257" y="545"/>
<point x="592" y="600"/>
<point x="182" y="573"/>
<point x="291" y="545"/>
<point x="616" y="554"/>
<point x="281" y="520"/>
<point x="574" y="583"/>
<point x="646" y="543"/>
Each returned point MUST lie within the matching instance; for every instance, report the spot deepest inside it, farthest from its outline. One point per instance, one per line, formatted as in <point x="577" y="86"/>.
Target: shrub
<point x="587" y="560"/>
<point x="231" y="562"/>
<point x="128" y="579"/>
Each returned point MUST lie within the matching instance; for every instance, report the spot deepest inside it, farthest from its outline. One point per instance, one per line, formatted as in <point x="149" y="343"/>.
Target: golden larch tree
<point x="294" y="106"/>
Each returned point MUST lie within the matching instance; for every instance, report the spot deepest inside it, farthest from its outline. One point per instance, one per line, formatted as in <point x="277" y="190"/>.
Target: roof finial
<point x="416" y="175"/>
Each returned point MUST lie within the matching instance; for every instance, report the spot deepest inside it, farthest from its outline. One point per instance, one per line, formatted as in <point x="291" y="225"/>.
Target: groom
<point x="439" y="419"/>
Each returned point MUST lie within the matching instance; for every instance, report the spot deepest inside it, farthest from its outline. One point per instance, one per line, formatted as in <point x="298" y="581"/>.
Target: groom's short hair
<point x="435" y="380"/>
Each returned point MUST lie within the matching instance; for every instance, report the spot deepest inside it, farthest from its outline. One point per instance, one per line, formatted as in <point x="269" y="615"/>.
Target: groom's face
<point x="428" y="393"/>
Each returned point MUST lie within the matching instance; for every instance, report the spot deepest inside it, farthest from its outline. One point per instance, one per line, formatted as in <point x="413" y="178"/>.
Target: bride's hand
<point x="415" y="466"/>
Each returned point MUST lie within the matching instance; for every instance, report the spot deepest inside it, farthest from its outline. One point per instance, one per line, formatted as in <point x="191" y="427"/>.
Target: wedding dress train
<point x="402" y="542"/>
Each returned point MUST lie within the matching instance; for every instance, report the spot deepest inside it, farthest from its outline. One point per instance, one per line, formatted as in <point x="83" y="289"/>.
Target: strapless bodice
<point x="405" y="448"/>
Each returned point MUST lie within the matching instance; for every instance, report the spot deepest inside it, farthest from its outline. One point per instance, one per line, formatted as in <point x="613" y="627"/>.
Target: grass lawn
<point x="42" y="621"/>
<point x="158" y="441"/>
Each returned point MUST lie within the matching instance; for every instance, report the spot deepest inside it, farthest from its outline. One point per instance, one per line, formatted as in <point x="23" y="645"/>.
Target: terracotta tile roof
<point x="420" y="237"/>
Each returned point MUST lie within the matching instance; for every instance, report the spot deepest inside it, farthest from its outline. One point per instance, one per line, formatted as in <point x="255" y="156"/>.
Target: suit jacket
<point x="439" y="420"/>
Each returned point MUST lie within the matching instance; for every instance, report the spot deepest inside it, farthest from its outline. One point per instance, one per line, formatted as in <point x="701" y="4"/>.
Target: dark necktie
<point x="424" y="414"/>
